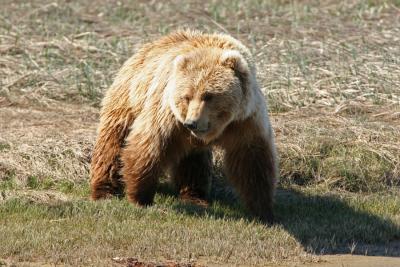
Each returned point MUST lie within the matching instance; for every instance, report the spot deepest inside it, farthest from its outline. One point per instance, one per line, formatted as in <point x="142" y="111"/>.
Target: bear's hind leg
<point x="105" y="180"/>
<point x="192" y="174"/>
<point x="106" y="188"/>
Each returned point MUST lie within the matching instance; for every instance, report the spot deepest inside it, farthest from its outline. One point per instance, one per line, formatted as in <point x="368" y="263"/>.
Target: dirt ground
<point x="356" y="261"/>
<point x="325" y="261"/>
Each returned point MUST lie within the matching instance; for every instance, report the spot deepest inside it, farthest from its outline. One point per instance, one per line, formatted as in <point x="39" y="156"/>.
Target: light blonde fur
<point x="186" y="76"/>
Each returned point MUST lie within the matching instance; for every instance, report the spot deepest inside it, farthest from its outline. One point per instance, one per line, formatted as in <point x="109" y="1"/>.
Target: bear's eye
<point x="207" y="97"/>
<point x="186" y="98"/>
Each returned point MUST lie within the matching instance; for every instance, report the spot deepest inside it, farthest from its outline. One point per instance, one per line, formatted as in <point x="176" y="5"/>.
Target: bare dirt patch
<point x="355" y="261"/>
<point x="133" y="262"/>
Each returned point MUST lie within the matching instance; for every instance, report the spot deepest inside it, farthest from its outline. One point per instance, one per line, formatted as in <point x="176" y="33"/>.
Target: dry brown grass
<point x="49" y="144"/>
<point x="330" y="72"/>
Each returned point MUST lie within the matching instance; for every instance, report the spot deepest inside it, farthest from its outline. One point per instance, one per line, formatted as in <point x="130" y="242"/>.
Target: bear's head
<point x="210" y="86"/>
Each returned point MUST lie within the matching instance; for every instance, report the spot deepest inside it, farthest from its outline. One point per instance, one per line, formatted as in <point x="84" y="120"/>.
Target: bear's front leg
<point x="251" y="165"/>
<point x="141" y="162"/>
<point x="192" y="175"/>
<point x="140" y="171"/>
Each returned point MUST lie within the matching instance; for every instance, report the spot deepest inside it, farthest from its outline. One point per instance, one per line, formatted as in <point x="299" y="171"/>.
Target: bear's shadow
<point x="322" y="224"/>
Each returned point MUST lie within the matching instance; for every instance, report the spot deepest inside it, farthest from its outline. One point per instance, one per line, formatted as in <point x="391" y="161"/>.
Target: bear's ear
<point x="180" y="62"/>
<point x="234" y="60"/>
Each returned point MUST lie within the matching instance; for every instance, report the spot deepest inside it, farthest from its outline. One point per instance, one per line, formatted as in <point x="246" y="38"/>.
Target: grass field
<point x="330" y="71"/>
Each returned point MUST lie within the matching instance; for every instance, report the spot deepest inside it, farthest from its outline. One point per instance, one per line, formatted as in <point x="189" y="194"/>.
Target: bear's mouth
<point x="200" y="131"/>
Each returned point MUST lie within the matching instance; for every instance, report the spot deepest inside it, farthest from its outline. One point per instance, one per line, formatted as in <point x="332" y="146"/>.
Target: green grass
<point x="76" y="189"/>
<point x="78" y="231"/>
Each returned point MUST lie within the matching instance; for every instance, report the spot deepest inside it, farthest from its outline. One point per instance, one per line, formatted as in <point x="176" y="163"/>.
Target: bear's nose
<point x="190" y="124"/>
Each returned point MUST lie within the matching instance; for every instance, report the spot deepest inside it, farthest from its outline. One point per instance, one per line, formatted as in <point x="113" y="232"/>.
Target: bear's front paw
<point x="106" y="192"/>
<point x="194" y="200"/>
<point x="268" y="218"/>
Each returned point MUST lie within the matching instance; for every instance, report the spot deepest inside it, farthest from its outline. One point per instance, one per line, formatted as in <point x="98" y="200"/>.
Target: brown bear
<point x="170" y="104"/>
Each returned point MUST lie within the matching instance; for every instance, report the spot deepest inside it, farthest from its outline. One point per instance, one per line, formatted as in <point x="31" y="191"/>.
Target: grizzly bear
<point x="170" y="104"/>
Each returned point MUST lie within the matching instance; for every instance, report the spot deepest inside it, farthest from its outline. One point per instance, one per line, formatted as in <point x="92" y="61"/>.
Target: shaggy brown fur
<point x="192" y="174"/>
<point x="106" y="180"/>
<point x="169" y="105"/>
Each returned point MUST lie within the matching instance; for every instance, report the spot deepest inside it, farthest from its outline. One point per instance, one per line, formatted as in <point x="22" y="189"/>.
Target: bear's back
<point x="143" y="77"/>
<point x="181" y="42"/>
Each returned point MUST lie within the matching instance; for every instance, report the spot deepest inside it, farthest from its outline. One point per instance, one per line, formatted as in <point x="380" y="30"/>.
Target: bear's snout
<point x="190" y="124"/>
